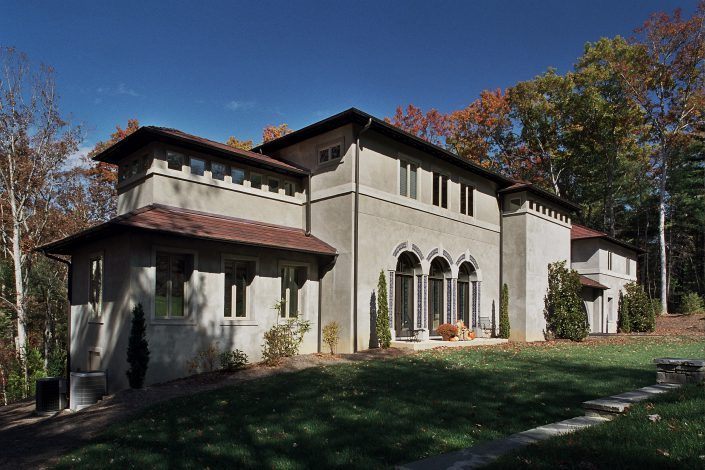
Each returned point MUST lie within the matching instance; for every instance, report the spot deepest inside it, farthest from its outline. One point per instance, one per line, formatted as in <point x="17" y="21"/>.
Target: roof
<point x="354" y="115"/>
<point x="188" y="223"/>
<point x="580" y="232"/>
<point x="145" y="135"/>
<point x="587" y="282"/>
<point x="532" y="188"/>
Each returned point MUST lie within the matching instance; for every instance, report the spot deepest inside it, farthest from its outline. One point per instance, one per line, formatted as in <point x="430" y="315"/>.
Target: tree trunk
<point x="662" y="233"/>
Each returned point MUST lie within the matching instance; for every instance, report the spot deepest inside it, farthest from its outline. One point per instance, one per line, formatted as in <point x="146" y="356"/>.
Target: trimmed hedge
<point x="564" y="313"/>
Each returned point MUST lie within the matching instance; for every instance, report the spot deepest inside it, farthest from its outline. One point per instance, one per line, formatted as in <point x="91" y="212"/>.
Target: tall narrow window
<point x="174" y="160"/>
<point x="198" y="166"/>
<point x="170" y="292"/>
<point x="440" y="190"/>
<point x="407" y="179"/>
<point x="218" y="171"/>
<point x="609" y="261"/>
<point x="95" y="292"/>
<point x="466" y="199"/>
<point x="292" y="280"/>
<point x="238" y="175"/>
<point x="629" y="266"/>
<point x="236" y="286"/>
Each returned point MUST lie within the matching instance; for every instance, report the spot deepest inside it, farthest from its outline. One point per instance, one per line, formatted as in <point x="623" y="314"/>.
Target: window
<point x="440" y="190"/>
<point x="273" y="185"/>
<point x="329" y="153"/>
<point x="218" y="171"/>
<point x="95" y="292"/>
<point x="609" y="261"/>
<point x="146" y="162"/>
<point x="238" y="175"/>
<point x="292" y="279"/>
<point x="174" y="160"/>
<point x="124" y="170"/>
<point x="256" y="180"/>
<point x="407" y="179"/>
<point x="237" y="279"/>
<point x="135" y="167"/>
<point x="198" y="166"/>
<point x="289" y="188"/>
<point x="629" y="266"/>
<point x="467" y="194"/>
<point x="173" y="272"/>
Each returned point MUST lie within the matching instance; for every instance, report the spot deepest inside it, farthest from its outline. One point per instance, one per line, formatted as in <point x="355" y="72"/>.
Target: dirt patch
<point x="688" y="325"/>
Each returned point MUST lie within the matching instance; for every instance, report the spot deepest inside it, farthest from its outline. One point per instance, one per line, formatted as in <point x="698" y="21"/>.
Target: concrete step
<point x="619" y="404"/>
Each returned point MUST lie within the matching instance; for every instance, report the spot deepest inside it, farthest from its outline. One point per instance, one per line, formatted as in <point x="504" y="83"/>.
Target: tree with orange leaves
<point x="430" y="126"/>
<point x="272" y="132"/>
<point x="239" y="144"/>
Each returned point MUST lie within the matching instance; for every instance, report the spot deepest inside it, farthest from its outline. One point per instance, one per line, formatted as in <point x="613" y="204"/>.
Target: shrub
<point x="330" y="335"/>
<point x="137" y="349"/>
<point x="504" y="313"/>
<point x="565" y="317"/>
<point x="283" y="340"/>
<point x="635" y="310"/>
<point x="447" y="331"/>
<point x="56" y="364"/>
<point x="204" y="360"/>
<point x="232" y="360"/>
<point x="384" y="335"/>
<point x="656" y="306"/>
<point x="691" y="303"/>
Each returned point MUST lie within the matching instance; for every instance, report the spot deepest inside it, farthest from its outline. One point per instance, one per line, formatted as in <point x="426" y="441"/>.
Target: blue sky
<point x="220" y="68"/>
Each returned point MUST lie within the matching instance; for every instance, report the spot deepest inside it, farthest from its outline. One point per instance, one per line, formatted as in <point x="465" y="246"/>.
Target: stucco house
<point x="208" y="238"/>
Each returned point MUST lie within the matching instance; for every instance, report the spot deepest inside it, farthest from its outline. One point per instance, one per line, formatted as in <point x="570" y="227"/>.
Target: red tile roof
<point x="580" y="232"/>
<point x="587" y="282"/>
<point x="184" y="222"/>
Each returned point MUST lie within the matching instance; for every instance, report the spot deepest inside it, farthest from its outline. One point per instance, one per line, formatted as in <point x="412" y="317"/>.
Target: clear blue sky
<point x="220" y="68"/>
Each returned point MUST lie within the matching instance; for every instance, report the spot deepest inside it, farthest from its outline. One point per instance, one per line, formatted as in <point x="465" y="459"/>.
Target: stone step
<point x="619" y="404"/>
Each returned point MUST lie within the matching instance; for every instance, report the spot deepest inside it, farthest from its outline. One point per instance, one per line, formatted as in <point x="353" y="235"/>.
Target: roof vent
<point x="87" y="388"/>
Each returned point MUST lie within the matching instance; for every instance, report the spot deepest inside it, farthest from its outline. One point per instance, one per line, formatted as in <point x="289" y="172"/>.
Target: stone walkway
<point x="597" y="412"/>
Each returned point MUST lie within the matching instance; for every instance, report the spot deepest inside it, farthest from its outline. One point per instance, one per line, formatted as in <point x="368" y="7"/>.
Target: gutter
<point x="356" y="229"/>
<point x="69" y="295"/>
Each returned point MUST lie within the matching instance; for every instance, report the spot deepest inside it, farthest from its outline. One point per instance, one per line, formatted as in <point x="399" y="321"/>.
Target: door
<point x="403" y="304"/>
<point x="464" y="303"/>
<point x="435" y="305"/>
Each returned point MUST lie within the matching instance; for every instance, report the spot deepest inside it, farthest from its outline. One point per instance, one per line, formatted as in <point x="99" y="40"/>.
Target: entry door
<point x="403" y="304"/>
<point x="464" y="303"/>
<point x="435" y="304"/>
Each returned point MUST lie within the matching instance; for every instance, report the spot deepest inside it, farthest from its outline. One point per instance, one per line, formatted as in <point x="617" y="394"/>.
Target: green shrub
<point x="504" y="327"/>
<point x="284" y="339"/>
<point x="656" y="306"/>
<point x="330" y="335"/>
<point x="56" y="364"/>
<point x="691" y="303"/>
<point x="384" y="335"/>
<point x="137" y="349"/>
<point x="635" y="312"/>
<point x="232" y="360"/>
<point x="565" y="317"/>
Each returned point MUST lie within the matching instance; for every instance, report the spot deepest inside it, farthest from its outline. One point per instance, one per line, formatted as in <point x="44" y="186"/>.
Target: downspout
<point x="308" y="207"/>
<point x="356" y="229"/>
<point x="69" y="296"/>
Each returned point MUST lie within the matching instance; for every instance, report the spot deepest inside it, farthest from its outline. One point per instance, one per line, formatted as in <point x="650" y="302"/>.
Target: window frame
<point x="191" y="158"/>
<point x="244" y="175"/>
<point x="261" y="177"/>
<point x="408" y="163"/>
<point x="442" y="180"/>
<point x="250" y="291"/>
<point x="96" y="313"/>
<point x="610" y="261"/>
<point x="191" y="285"/>
<point x="469" y="198"/>
<point x="166" y="159"/>
<point x="328" y="146"/>
<point x="269" y="186"/>
<point x="292" y="185"/>
<point x="302" y="291"/>
<point x="225" y="170"/>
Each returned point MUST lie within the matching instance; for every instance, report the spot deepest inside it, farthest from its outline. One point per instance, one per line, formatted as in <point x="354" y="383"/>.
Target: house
<point x="209" y="238"/>
<point x="605" y="265"/>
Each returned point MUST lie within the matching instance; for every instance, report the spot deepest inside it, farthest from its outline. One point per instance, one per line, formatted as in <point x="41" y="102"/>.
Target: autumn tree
<point x="430" y="126"/>
<point x="239" y="144"/>
<point x="35" y="141"/>
<point x="272" y="132"/>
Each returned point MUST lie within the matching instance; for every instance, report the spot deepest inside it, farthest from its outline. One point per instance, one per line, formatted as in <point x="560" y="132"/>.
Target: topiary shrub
<point x="691" y="303"/>
<point x="137" y="349"/>
<point x="504" y="327"/>
<point x="635" y="312"/>
<point x="563" y="310"/>
<point x="384" y="335"/>
<point x="232" y="360"/>
<point x="330" y="335"/>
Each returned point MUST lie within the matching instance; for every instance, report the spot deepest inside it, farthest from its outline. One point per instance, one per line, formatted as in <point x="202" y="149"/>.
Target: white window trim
<point x="327" y="145"/>
<point x="93" y="315"/>
<point x="192" y="285"/>
<point x="249" y="307"/>
<point x="303" y="292"/>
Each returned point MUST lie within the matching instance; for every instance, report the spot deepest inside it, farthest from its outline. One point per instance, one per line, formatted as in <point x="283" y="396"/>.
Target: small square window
<point x="218" y="171"/>
<point x="323" y="155"/>
<point x="198" y="166"/>
<point x="238" y="175"/>
<point x="335" y="152"/>
<point x="174" y="160"/>
<point x="273" y="184"/>
<point x="256" y="180"/>
<point x="289" y="188"/>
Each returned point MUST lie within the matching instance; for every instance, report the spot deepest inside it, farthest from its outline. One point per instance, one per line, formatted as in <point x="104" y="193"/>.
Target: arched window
<point x="436" y="283"/>
<point x="407" y="264"/>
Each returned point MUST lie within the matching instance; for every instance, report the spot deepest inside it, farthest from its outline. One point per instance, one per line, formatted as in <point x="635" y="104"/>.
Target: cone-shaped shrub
<point x="504" y="313"/>
<point x="384" y="336"/>
<point x="137" y="349"/>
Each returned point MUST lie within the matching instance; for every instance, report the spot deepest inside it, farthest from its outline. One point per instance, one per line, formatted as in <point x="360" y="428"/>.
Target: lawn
<point x="676" y="440"/>
<point x="376" y="414"/>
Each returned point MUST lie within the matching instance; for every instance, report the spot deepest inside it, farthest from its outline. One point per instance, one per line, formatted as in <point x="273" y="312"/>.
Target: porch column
<point x="424" y="302"/>
<point x="390" y="300"/>
<point x="419" y="301"/>
<point x="474" y="303"/>
<point x="453" y="301"/>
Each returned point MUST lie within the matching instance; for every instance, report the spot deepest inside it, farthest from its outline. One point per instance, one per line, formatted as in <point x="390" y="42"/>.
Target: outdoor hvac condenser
<point x="50" y="395"/>
<point x="87" y="388"/>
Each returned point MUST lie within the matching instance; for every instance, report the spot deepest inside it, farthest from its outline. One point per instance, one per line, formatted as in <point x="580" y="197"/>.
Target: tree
<point x="239" y="144"/>
<point x="272" y="132"/>
<point x="35" y="141"/>
<point x="504" y="327"/>
<point x="565" y="317"/>
<point x="635" y="312"/>
<point x="384" y="335"/>
<point x="137" y="349"/>
<point x="430" y="126"/>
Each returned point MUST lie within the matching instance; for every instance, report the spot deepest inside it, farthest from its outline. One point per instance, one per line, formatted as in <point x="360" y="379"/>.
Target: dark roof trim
<point x="147" y="134"/>
<point x="354" y="115"/>
<point x="587" y="282"/>
<point x="530" y="187"/>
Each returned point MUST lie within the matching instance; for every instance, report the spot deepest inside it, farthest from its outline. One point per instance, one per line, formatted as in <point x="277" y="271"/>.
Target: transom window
<point x="292" y="282"/>
<point x="466" y="199"/>
<point x="198" y="166"/>
<point x="407" y="179"/>
<point x="218" y="171"/>
<point x="174" y="160"/>
<point x="327" y="154"/>
<point x="95" y="291"/>
<point x="173" y="272"/>
<point x="440" y="190"/>
<point x="237" y="280"/>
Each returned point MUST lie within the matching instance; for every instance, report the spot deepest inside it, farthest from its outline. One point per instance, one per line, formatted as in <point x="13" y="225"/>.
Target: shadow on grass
<point x="371" y="414"/>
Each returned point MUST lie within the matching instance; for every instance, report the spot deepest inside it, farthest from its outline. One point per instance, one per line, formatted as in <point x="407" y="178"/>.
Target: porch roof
<point x="587" y="282"/>
<point x="162" y="219"/>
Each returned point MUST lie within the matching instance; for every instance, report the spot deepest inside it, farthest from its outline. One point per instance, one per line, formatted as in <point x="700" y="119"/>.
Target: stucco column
<point x="390" y="301"/>
<point x="453" y="301"/>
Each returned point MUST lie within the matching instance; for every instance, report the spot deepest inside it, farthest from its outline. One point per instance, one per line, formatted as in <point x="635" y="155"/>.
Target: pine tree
<point x="137" y="349"/>
<point x="383" y="333"/>
<point x="504" y="313"/>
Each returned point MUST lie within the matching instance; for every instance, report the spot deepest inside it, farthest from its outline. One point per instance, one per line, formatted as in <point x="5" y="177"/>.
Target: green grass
<point x="376" y="414"/>
<point x="629" y="442"/>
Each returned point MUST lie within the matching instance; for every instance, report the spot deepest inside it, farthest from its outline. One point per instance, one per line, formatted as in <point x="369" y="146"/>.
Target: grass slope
<point x="376" y="414"/>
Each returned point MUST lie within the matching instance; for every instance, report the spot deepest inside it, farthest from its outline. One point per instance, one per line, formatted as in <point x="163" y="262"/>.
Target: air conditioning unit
<point x="50" y="396"/>
<point x="87" y="388"/>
